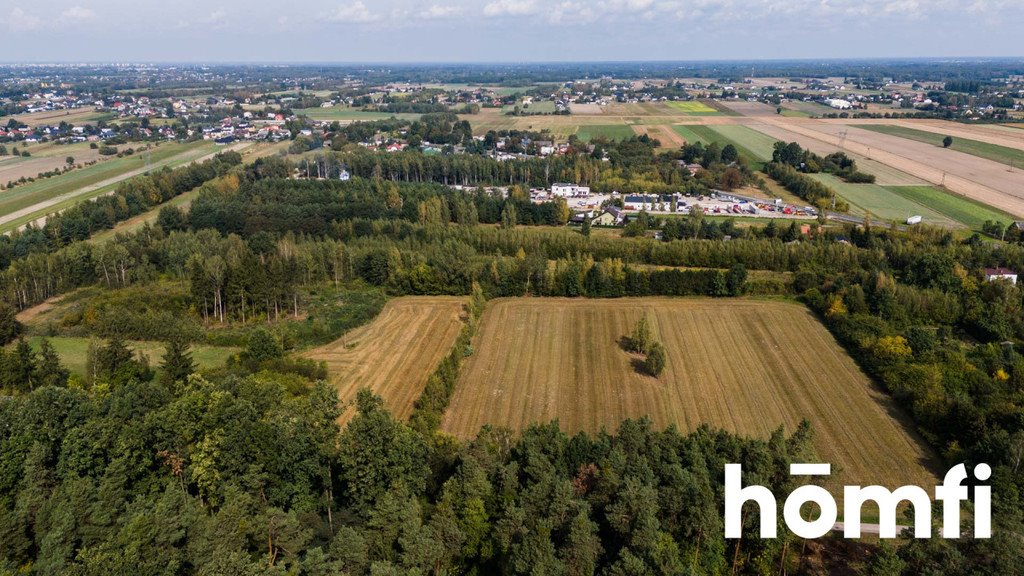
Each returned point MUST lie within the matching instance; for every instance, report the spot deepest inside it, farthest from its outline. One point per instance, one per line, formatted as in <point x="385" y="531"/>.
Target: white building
<point x="993" y="274"/>
<point x="569" y="190"/>
<point x="839" y="104"/>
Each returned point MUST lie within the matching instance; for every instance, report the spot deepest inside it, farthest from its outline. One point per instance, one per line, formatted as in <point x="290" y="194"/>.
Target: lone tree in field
<point x="641" y="339"/>
<point x="177" y="362"/>
<point x="654" y="364"/>
<point x="947" y="141"/>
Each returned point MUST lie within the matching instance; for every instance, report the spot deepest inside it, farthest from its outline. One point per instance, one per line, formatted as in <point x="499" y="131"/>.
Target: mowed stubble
<point x="395" y="354"/>
<point x="746" y="366"/>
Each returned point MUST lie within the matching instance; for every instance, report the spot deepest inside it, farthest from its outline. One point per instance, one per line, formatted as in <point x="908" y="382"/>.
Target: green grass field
<point x="609" y="131"/>
<point x="994" y="152"/>
<point x="40" y="191"/>
<point x="752" y="145"/>
<point x="970" y="213"/>
<point x="542" y="107"/>
<point x="884" y="203"/>
<point x="73" y="352"/>
<point x="694" y="108"/>
<point x="787" y="113"/>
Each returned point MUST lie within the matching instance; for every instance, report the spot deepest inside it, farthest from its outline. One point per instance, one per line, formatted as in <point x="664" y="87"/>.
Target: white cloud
<point x="216" y="19"/>
<point x="510" y="8"/>
<point x="77" y="14"/>
<point x="437" y="12"/>
<point x="356" y="12"/>
<point x="21" y="21"/>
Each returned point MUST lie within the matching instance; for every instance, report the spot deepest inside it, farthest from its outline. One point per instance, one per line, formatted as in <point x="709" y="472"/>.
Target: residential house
<point x="612" y="216"/>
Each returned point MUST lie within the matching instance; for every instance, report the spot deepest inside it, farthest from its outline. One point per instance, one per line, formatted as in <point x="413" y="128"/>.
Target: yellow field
<point x="396" y="353"/>
<point x="746" y="366"/>
<point x="693" y="107"/>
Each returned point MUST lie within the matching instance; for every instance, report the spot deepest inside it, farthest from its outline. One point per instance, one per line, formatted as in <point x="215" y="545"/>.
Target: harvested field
<point x="976" y="178"/>
<point x="664" y="134"/>
<point x="746" y="366"/>
<point x="54" y="117"/>
<point x="994" y="152"/>
<point x="396" y="353"/>
<point x="12" y="169"/>
<point x="988" y="133"/>
<point x="586" y="109"/>
<point x="885" y="175"/>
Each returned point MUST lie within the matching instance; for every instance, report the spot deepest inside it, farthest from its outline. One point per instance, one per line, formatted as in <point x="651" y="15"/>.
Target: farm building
<point x="993" y="274"/>
<point x="569" y="190"/>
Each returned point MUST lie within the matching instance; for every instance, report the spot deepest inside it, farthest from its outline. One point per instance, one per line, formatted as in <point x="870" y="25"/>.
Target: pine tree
<point x="24" y="366"/>
<point x="49" y="370"/>
<point x="177" y="363"/>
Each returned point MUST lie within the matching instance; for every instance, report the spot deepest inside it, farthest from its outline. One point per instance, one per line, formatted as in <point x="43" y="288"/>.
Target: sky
<point x="503" y="30"/>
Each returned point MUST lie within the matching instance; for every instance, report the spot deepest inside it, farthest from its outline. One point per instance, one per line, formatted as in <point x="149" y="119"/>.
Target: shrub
<point x="654" y="364"/>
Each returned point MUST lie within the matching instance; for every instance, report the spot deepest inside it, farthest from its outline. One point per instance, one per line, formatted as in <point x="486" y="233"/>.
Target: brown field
<point x="396" y="353"/>
<point x="44" y="158"/>
<point x="587" y="109"/>
<point x="668" y="137"/>
<point x="886" y="175"/>
<point x="77" y="116"/>
<point x="993" y="134"/>
<point x="977" y="178"/>
<point x="746" y="366"/>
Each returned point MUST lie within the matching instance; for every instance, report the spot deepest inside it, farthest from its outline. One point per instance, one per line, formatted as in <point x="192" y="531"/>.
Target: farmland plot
<point x="396" y="353"/>
<point x="743" y="365"/>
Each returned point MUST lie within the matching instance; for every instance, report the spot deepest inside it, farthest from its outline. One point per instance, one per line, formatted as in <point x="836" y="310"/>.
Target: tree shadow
<point x="626" y="343"/>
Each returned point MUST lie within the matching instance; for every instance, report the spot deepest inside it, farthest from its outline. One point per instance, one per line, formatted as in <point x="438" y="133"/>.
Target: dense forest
<point x="146" y="467"/>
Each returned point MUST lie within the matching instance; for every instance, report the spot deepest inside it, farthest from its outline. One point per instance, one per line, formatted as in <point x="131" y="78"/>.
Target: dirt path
<point x="93" y="187"/>
<point x="29" y="314"/>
